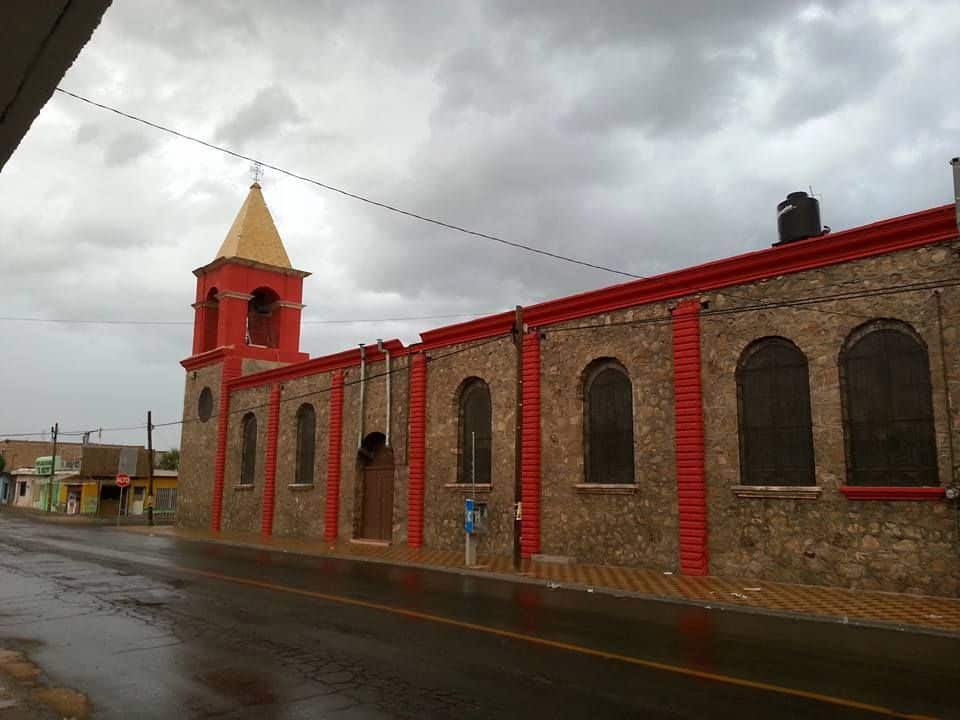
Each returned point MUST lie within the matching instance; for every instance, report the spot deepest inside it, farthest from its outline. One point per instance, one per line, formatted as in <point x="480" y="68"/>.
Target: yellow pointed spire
<point x="253" y="236"/>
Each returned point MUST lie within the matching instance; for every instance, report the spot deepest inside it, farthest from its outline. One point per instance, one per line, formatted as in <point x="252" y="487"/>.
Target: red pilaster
<point x="691" y="475"/>
<point x="331" y="516"/>
<point x="530" y="448"/>
<point x="231" y="370"/>
<point x="418" y="435"/>
<point x="270" y="462"/>
<point x="199" y="326"/>
<point x="289" y="322"/>
<point x="232" y="329"/>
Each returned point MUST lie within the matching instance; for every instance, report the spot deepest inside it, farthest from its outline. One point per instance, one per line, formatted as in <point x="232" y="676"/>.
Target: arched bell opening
<point x="263" y="318"/>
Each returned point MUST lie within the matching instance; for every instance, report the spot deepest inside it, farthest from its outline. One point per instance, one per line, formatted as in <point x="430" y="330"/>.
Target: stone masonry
<point x="903" y="546"/>
<point x="198" y="448"/>
<point x="601" y="523"/>
<point x="817" y="534"/>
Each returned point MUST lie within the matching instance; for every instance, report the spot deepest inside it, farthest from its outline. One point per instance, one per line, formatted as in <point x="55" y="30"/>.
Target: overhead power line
<point x="706" y="315"/>
<point x="384" y="205"/>
<point x="331" y="321"/>
<point x="341" y="191"/>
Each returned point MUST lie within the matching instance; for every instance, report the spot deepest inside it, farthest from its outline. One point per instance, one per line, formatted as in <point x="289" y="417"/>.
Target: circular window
<point x="205" y="404"/>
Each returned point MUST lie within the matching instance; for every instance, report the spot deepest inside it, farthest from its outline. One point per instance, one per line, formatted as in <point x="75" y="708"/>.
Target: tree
<point x="169" y="460"/>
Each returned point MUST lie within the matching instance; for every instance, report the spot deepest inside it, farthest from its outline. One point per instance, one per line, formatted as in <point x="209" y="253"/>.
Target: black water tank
<point x="798" y="218"/>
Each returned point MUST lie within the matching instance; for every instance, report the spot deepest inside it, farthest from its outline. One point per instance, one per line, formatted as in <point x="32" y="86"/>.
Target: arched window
<point x="887" y="406"/>
<point x="306" y="443"/>
<point x="608" y="423"/>
<point x="248" y="452"/>
<point x="475" y="432"/>
<point x="773" y="406"/>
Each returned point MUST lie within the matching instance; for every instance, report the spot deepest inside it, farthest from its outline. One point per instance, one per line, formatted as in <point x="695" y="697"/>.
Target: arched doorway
<point x="376" y="470"/>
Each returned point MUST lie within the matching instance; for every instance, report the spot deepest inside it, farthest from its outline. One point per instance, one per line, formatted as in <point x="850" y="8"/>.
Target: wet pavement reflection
<point x="139" y="625"/>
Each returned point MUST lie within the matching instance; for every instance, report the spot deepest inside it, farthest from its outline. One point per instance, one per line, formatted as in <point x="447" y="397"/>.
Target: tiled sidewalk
<point x="936" y="614"/>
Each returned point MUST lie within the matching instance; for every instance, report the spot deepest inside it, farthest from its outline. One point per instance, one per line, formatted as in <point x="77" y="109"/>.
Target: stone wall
<point x="242" y="505"/>
<point x="898" y="546"/>
<point x="827" y="539"/>
<point x="351" y="485"/>
<point x="249" y="366"/>
<point x="622" y="525"/>
<point x="496" y="364"/>
<point x="299" y="509"/>
<point x="198" y="449"/>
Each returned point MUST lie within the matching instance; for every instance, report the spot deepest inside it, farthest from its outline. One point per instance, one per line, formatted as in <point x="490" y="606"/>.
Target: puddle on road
<point x="64" y="701"/>
<point x="249" y="688"/>
<point x="15" y="665"/>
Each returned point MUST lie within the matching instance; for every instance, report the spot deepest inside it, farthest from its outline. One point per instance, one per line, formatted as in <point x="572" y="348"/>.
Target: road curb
<point x="576" y="587"/>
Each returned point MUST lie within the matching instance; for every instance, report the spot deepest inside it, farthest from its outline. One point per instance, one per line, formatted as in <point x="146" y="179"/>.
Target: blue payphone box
<point x="475" y="516"/>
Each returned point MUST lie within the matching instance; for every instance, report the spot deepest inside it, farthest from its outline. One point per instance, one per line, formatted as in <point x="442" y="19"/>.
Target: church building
<point x="788" y="414"/>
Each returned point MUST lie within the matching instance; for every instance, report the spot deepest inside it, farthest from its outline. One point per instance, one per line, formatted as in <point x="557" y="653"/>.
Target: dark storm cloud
<point x="832" y="64"/>
<point x="273" y="110"/>
<point x="126" y="148"/>
<point x="87" y="132"/>
<point x="665" y="90"/>
<point x="642" y="136"/>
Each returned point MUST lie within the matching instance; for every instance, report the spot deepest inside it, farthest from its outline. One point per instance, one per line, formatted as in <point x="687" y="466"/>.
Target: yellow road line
<point x="559" y="645"/>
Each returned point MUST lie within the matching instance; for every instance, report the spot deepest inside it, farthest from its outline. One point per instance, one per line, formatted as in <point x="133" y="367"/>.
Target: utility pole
<point x="518" y="439"/>
<point x="54" y="431"/>
<point x="150" y="468"/>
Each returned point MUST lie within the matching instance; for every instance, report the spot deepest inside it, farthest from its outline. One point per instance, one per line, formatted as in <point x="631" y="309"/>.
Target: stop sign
<point x="123" y="480"/>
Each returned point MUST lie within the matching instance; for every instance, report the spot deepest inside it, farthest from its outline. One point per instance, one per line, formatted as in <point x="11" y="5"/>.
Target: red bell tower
<point x="249" y="298"/>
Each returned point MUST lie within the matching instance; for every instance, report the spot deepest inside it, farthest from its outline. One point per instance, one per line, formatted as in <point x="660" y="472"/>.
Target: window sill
<point x="243" y="488"/>
<point x="606" y="488"/>
<point x="468" y="487"/>
<point x="301" y="486"/>
<point x="783" y="492"/>
<point x="858" y="492"/>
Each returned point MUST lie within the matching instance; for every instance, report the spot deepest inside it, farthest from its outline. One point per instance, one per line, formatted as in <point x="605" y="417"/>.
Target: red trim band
<point x="901" y="233"/>
<point x="418" y="434"/>
<point x="691" y="474"/>
<point x="208" y="358"/>
<point x="859" y="492"/>
<point x="331" y="515"/>
<point x="270" y="462"/>
<point x="530" y="446"/>
<point x="316" y="366"/>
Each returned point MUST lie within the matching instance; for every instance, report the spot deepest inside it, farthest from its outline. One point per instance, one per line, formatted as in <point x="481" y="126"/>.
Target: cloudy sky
<point x="642" y="139"/>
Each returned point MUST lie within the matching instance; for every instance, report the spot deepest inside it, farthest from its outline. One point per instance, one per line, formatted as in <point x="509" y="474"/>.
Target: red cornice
<point x="218" y="262"/>
<point x="900" y="233"/>
<point x="886" y="236"/>
<point x="246" y="352"/>
<point x="345" y="359"/>
<point x="208" y="358"/>
<point x="856" y="492"/>
<point x="478" y="329"/>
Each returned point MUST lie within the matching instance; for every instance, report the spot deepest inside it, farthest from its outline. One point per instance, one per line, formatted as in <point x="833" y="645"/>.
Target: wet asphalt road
<point x="155" y="627"/>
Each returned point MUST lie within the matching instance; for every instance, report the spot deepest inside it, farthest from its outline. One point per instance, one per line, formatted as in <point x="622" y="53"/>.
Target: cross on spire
<point x="256" y="172"/>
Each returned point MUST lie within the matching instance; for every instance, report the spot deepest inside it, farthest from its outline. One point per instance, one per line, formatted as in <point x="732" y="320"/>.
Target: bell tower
<point x="248" y="301"/>
<point x="247" y="319"/>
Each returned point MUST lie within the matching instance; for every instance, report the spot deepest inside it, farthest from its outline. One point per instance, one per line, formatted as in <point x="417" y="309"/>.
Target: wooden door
<point x="377" y="515"/>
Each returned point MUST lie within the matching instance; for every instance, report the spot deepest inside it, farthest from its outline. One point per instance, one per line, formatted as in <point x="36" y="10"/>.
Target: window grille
<point x="475" y="432"/>
<point x="608" y="425"/>
<point x="773" y="402"/>
<point x="888" y="407"/>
